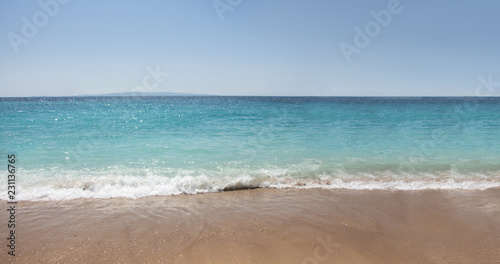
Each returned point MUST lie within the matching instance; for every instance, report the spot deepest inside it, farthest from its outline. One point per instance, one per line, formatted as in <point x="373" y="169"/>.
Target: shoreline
<point x="264" y="226"/>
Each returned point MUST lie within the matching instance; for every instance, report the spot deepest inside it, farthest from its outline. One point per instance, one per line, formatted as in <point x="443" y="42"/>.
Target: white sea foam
<point x="62" y="187"/>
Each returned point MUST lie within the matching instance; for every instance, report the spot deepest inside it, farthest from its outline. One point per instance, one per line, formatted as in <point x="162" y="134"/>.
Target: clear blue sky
<point x="261" y="47"/>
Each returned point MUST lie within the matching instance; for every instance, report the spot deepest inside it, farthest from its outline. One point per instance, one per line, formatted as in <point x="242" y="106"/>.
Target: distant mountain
<point x="143" y="94"/>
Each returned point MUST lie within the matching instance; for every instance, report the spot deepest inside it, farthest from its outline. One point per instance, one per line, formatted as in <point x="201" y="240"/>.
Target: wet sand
<point x="263" y="226"/>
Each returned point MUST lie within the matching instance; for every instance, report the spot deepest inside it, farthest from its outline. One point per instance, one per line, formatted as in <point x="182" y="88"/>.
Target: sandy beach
<point x="263" y="226"/>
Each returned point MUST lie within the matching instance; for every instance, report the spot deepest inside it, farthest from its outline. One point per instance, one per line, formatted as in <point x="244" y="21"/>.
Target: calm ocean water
<point x="134" y="147"/>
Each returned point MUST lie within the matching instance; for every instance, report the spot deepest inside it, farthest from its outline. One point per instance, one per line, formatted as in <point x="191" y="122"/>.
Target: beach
<point x="252" y="180"/>
<point x="264" y="226"/>
<point x="267" y="132"/>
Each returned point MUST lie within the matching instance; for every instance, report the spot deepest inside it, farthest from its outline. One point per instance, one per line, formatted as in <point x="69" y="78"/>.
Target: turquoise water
<point x="133" y="147"/>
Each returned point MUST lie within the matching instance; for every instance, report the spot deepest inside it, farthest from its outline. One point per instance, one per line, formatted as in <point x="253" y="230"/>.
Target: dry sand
<point x="263" y="226"/>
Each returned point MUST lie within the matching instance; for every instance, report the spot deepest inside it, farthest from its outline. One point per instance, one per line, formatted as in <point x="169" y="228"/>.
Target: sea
<point x="106" y="147"/>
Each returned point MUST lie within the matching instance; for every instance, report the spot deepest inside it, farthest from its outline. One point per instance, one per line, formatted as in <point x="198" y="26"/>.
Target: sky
<point x="244" y="47"/>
